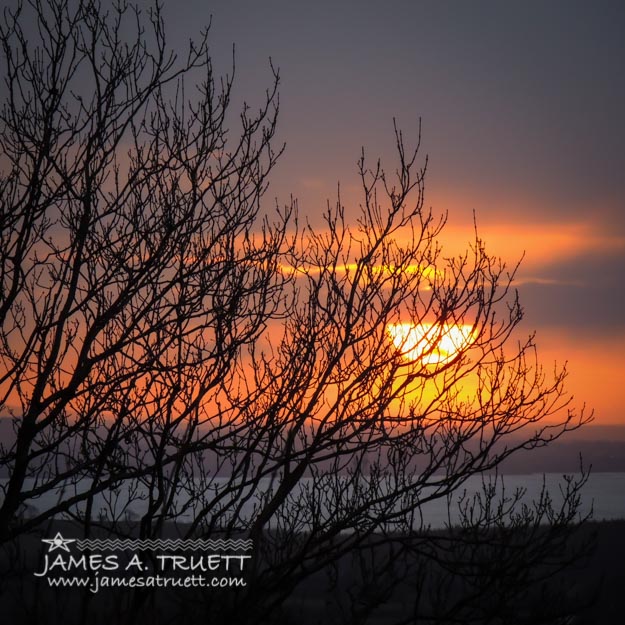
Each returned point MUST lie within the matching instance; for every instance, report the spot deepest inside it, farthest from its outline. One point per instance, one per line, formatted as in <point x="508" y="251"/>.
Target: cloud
<point x="584" y="293"/>
<point x="539" y="245"/>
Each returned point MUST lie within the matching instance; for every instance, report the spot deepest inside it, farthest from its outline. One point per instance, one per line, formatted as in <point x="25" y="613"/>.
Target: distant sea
<point x="603" y="495"/>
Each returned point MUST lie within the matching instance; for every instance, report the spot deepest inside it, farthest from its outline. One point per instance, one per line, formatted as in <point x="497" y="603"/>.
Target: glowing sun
<point x="430" y="344"/>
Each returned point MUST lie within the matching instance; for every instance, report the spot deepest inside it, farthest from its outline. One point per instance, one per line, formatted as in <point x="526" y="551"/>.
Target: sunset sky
<point x="522" y="115"/>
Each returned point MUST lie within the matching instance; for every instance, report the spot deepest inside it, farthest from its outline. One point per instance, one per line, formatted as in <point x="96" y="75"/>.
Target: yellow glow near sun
<point x="426" y="271"/>
<point x="430" y="344"/>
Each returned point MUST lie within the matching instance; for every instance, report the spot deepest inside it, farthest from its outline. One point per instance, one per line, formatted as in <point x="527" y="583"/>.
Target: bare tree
<point x="173" y="351"/>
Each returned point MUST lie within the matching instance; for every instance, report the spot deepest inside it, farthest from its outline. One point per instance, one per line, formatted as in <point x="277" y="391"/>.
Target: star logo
<point x="58" y="542"/>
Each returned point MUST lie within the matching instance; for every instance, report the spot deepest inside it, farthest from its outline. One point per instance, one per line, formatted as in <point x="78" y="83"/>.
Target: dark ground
<point x="597" y="580"/>
<point x="606" y="569"/>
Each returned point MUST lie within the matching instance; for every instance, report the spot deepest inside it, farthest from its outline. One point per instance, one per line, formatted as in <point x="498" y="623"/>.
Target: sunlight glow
<point x="431" y="344"/>
<point x="428" y="272"/>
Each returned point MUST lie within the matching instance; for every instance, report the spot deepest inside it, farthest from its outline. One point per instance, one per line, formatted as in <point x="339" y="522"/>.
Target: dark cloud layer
<point x="586" y="293"/>
<point x="517" y="99"/>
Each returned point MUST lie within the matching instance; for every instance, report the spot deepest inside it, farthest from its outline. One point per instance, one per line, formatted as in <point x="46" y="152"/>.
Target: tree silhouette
<point x="174" y="352"/>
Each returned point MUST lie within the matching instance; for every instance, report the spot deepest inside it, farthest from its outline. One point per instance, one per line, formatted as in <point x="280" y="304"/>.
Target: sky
<point x="521" y="106"/>
<point x="521" y="109"/>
